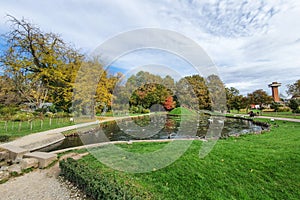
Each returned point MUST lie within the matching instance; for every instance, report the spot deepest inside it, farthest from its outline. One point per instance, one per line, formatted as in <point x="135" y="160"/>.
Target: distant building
<point x="275" y="94"/>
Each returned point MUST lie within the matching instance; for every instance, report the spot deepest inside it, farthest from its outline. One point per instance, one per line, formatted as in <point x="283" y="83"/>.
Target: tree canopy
<point x="294" y="89"/>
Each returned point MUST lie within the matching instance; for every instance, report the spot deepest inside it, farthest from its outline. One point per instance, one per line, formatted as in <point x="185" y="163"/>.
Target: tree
<point x="234" y="99"/>
<point x="8" y="94"/>
<point x="217" y="93"/>
<point x="200" y="89"/>
<point x="260" y="97"/>
<point x="275" y="106"/>
<point x="42" y="66"/>
<point x="94" y="88"/>
<point x="169" y="103"/>
<point x="294" y="105"/>
<point x="294" y="89"/>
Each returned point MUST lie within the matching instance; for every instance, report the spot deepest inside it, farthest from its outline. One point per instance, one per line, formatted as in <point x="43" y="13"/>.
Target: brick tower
<point x="275" y="93"/>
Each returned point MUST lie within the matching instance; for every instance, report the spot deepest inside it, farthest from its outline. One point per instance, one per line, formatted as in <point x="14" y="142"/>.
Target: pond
<point x="158" y="127"/>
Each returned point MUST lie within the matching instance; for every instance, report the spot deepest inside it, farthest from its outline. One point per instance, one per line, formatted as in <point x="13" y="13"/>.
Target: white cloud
<point x="252" y="42"/>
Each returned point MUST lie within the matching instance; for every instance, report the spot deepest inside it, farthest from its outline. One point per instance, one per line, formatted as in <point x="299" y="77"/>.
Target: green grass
<point x="182" y="111"/>
<point x="282" y="114"/>
<point x="271" y="114"/>
<point x="14" y="130"/>
<point x="265" y="166"/>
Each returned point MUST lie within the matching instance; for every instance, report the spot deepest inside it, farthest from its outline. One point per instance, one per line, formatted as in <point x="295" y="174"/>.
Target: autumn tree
<point x="8" y="95"/>
<point x="259" y="97"/>
<point x="294" y="89"/>
<point x="42" y="66"/>
<point x="234" y="99"/>
<point x="200" y="89"/>
<point x="169" y="103"/>
<point x="93" y="88"/>
<point x="217" y="93"/>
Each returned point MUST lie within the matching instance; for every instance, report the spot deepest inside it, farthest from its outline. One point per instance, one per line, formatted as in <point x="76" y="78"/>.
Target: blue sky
<point x="252" y="43"/>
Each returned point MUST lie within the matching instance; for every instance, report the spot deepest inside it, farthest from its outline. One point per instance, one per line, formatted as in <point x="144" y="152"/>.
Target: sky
<point x="252" y="43"/>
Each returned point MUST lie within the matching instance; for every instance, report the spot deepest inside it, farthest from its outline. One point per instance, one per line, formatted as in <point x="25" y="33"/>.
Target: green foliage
<point x="259" y="97"/>
<point x="294" y="89"/>
<point x="22" y="116"/>
<point x="275" y="106"/>
<point x="294" y="105"/>
<point x="284" y="109"/>
<point x="234" y="99"/>
<point x="4" y="138"/>
<point x="99" y="185"/>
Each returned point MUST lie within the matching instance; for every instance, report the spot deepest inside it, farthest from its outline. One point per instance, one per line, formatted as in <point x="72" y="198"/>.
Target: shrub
<point x="98" y="185"/>
<point x="296" y="111"/>
<point x="4" y="138"/>
<point x="22" y="116"/>
<point x="284" y="109"/>
<point x="61" y="114"/>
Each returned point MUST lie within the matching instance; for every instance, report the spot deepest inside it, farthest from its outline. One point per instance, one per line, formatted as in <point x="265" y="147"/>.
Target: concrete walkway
<point x="279" y="118"/>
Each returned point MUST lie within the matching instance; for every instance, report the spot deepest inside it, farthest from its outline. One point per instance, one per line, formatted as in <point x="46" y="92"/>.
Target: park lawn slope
<point x="182" y="111"/>
<point x="265" y="166"/>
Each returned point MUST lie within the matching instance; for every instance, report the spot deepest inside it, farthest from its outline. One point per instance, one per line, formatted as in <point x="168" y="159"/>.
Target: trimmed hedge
<point x="98" y="185"/>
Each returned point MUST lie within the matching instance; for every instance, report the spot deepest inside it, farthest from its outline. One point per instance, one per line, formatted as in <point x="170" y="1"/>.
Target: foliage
<point x="217" y="93"/>
<point x="294" y="105"/>
<point x="94" y="88"/>
<point x="41" y="66"/>
<point x="294" y="89"/>
<point x="169" y="103"/>
<point x="234" y="99"/>
<point x="259" y="97"/>
<point x="8" y="93"/>
<point x="193" y="92"/>
<point x="99" y="185"/>
<point x="275" y="106"/>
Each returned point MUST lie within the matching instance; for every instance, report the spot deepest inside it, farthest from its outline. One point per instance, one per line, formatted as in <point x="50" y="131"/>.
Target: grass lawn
<point x="13" y="130"/>
<point x="271" y="114"/>
<point x="182" y="111"/>
<point x="265" y="166"/>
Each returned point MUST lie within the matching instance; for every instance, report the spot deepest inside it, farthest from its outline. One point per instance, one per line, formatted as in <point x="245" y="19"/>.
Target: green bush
<point x="284" y="109"/>
<point x="61" y="114"/>
<point x="22" y="116"/>
<point x="95" y="184"/>
<point x="4" y="138"/>
<point x="296" y="111"/>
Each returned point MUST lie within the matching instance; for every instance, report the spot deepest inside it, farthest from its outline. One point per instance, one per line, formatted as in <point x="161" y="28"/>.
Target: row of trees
<point x="39" y="67"/>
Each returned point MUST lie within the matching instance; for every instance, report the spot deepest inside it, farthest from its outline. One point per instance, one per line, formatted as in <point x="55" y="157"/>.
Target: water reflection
<point x="165" y="128"/>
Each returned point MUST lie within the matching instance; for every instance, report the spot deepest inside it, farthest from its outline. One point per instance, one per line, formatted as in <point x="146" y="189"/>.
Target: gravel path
<point x="40" y="185"/>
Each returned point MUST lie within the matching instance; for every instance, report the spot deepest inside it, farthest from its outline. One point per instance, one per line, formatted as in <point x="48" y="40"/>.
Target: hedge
<point x="98" y="185"/>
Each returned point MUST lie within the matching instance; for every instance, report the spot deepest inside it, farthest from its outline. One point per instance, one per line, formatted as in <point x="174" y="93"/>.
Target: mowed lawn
<point x="264" y="166"/>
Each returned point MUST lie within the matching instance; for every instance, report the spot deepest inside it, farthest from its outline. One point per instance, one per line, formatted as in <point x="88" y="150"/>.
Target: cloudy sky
<point x="252" y="43"/>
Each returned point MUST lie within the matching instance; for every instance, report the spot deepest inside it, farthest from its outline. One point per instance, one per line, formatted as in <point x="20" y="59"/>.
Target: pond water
<point x="158" y="127"/>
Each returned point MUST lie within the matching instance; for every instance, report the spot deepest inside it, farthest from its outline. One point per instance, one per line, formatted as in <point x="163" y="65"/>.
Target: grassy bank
<point x="270" y="114"/>
<point x="10" y="130"/>
<point x="182" y="111"/>
<point x="262" y="166"/>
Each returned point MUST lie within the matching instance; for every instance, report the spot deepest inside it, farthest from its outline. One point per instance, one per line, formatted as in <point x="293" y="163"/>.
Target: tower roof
<point x="274" y="84"/>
